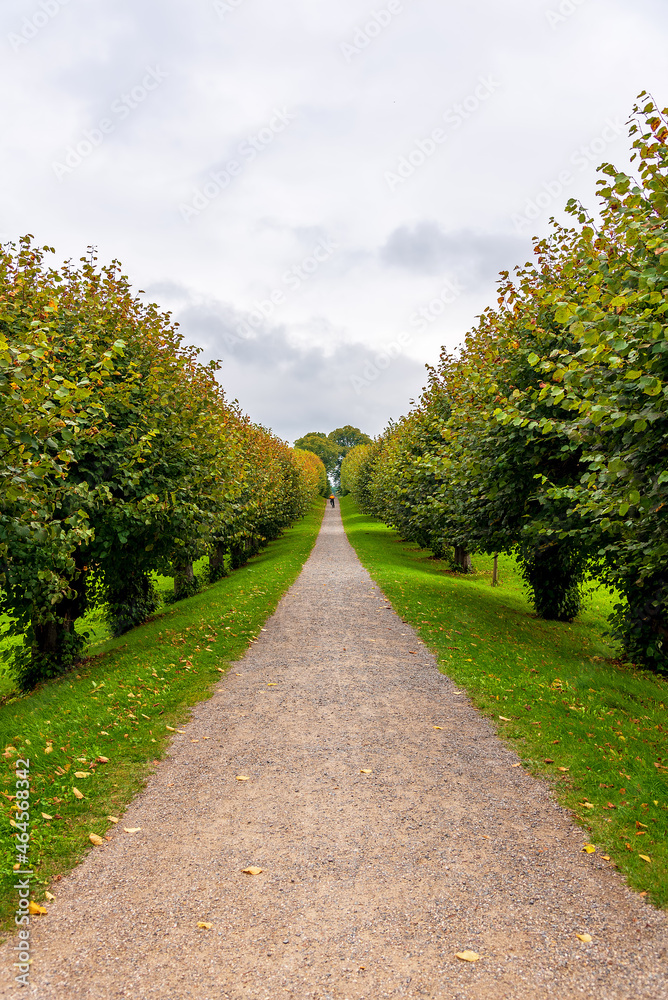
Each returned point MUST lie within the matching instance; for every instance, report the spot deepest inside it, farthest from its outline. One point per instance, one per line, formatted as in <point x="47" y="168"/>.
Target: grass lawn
<point x="592" y="726"/>
<point x="122" y="704"/>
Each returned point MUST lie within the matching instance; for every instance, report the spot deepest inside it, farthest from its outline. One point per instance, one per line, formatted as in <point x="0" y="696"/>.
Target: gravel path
<point x="371" y="882"/>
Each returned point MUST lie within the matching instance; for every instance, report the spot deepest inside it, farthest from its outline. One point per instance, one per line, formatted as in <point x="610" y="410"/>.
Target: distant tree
<point x="345" y="438"/>
<point x="322" y="446"/>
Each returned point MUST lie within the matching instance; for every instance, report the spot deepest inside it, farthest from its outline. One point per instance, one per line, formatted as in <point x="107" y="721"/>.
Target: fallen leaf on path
<point x="366" y="770"/>
<point x="77" y="794"/>
<point x="584" y="937"/>
<point x="132" y="829"/>
<point x="94" y="839"/>
<point x="242" y="777"/>
<point x="467" y="956"/>
<point x="645" y="858"/>
<point x="515" y="765"/>
<point x="252" y="870"/>
<point x="438" y="727"/>
<point x="606" y="857"/>
<point x="50" y="896"/>
<point x="36" y="909"/>
<point x="204" y="925"/>
<point x="46" y="816"/>
<point x="412" y="652"/>
<point x="589" y="848"/>
<point x="112" y="819"/>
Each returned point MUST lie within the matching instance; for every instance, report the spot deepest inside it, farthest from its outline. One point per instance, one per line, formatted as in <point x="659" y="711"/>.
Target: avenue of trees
<point x="546" y="433"/>
<point x="119" y="457"/>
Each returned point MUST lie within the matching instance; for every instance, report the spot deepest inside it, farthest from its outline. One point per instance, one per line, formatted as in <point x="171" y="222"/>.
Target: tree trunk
<point x="217" y="569"/>
<point x="462" y="559"/>
<point x="184" y="579"/>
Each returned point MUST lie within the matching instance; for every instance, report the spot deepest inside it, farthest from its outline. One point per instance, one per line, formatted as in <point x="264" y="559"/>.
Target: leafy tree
<point x="322" y="446"/>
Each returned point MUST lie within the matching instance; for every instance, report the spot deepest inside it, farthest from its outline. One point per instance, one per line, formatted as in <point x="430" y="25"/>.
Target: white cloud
<point x="321" y="177"/>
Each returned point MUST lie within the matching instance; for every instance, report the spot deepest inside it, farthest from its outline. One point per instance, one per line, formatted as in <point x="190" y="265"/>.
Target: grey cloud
<point x="475" y="257"/>
<point x="294" y="388"/>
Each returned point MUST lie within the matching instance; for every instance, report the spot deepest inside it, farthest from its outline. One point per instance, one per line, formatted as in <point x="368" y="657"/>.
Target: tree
<point x="322" y="446"/>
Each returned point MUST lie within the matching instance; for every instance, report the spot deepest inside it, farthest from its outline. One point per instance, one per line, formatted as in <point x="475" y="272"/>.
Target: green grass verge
<point x="594" y="727"/>
<point x="120" y="704"/>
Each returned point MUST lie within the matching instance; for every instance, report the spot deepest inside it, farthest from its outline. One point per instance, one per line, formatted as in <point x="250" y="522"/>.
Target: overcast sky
<point x="322" y="193"/>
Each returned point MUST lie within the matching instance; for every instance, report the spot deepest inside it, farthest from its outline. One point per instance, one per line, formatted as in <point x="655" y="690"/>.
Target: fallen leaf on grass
<point x="504" y="719"/>
<point x="171" y="729"/>
<point x="10" y="750"/>
<point x="548" y="760"/>
<point x="48" y="749"/>
<point x="103" y="760"/>
<point x="36" y="909"/>
<point x="132" y="829"/>
<point x="242" y="777"/>
<point x="204" y="925"/>
<point x="112" y="819"/>
<point x="82" y="774"/>
<point x="366" y="770"/>
<point x="77" y="794"/>
<point x="50" y="896"/>
<point x="46" y="816"/>
<point x="645" y="858"/>
<point x="94" y="839"/>
<point x="584" y="937"/>
<point x="589" y="848"/>
<point x="252" y="870"/>
<point x="467" y="956"/>
<point x="563" y="769"/>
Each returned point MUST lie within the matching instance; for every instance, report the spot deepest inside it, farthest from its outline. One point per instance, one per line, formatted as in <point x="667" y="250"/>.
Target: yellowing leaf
<point x="171" y="729"/>
<point x="563" y="769"/>
<point x="589" y="848"/>
<point x="103" y="760"/>
<point x="132" y="829"/>
<point x="504" y="719"/>
<point x="77" y="794"/>
<point x="46" y="816"/>
<point x="94" y="839"/>
<point x="606" y="857"/>
<point x="366" y="770"/>
<point x="438" y="727"/>
<point x="242" y="777"/>
<point x="467" y="956"/>
<point x="50" y="896"/>
<point x="645" y="858"/>
<point x="584" y="937"/>
<point x="204" y="925"/>
<point x="36" y="909"/>
<point x="253" y="870"/>
<point x="48" y="749"/>
<point x="82" y="774"/>
<point x="515" y="765"/>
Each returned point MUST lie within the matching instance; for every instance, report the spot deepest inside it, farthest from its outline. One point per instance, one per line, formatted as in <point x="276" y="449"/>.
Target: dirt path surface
<point x="371" y="882"/>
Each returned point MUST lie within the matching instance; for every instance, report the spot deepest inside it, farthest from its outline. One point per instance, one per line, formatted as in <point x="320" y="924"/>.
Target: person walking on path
<point x="331" y="499"/>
